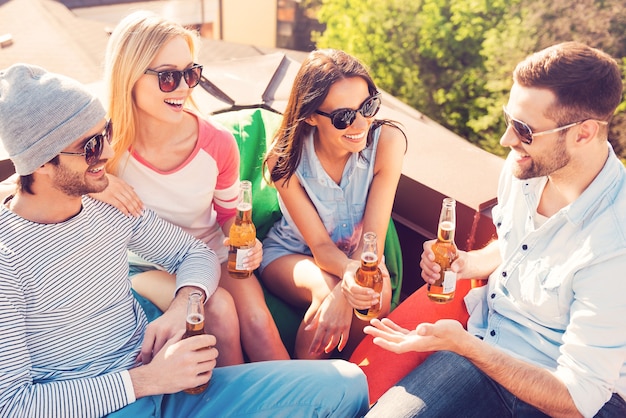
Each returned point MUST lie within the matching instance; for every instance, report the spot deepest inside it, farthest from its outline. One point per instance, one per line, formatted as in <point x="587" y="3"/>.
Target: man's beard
<point x="546" y="165"/>
<point x="73" y="183"/>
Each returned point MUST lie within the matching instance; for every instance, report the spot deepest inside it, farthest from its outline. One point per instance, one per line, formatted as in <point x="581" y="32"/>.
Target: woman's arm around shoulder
<point x="121" y="195"/>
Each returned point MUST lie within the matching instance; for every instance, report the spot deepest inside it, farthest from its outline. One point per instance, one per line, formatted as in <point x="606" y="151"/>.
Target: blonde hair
<point x="133" y="45"/>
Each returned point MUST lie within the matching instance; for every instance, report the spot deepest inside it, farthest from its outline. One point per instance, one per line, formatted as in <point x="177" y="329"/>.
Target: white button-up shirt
<point x="558" y="300"/>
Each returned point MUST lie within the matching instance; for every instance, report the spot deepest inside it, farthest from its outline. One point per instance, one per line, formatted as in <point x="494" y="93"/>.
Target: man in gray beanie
<point x="70" y="329"/>
<point x="41" y="114"/>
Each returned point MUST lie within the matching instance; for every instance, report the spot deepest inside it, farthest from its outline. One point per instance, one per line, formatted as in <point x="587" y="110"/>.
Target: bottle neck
<point x="369" y="258"/>
<point x="244" y="216"/>
<point x="244" y="212"/>
<point x="369" y="245"/>
<point x="445" y="232"/>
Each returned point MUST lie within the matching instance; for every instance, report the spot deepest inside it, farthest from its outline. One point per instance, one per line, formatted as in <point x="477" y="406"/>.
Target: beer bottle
<point x="242" y="233"/>
<point x="442" y="291"/>
<point x="369" y="275"/>
<point x="195" y="326"/>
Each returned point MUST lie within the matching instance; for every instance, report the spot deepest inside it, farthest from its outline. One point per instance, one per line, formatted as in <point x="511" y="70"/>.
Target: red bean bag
<point x="384" y="368"/>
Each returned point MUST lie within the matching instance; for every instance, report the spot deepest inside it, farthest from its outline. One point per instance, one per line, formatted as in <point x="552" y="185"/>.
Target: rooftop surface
<point x="47" y="33"/>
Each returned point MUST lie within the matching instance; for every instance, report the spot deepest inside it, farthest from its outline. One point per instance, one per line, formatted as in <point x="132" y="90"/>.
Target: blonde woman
<point x="174" y="161"/>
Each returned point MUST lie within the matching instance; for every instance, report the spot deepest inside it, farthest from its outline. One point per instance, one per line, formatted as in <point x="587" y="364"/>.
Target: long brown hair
<point x="319" y="71"/>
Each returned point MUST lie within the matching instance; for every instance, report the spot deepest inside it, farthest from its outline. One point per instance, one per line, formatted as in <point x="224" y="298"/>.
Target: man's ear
<point x="587" y="131"/>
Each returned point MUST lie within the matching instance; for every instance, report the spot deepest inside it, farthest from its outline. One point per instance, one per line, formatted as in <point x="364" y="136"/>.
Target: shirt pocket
<point x="503" y="224"/>
<point x="356" y="211"/>
<point x="540" y="290"/>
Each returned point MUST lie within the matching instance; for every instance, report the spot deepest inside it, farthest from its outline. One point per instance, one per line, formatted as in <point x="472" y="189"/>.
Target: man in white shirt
<point x="550" y="323"/>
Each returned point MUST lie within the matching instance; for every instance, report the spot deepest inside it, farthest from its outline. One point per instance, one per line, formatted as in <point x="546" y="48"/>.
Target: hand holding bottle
<point x="358" y="296"/>
<point x="182" y="363"/>
<point x="431" y="270"/>
<point x="445" y="252"/>
<point x="194" y="326"/>
<point x="163" y="328"/>
<point x="242" y="235"/>
<point x="254" y="256"/>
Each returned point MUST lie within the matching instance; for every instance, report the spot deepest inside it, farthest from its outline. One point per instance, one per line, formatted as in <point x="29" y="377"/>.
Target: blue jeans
<point x="288" y="388"/>
<point x="449" y="385"/>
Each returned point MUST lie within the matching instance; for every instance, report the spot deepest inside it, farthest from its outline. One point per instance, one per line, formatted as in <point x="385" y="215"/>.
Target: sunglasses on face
<point x="95" y="145"/>
<point x="525" y="134"/>
<point x="342" y="118"/>
<point x="169" y="80"/>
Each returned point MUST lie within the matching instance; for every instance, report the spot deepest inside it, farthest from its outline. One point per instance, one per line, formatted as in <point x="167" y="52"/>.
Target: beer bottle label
<point x="449" y="281"/>
<point x="241" y="254"/>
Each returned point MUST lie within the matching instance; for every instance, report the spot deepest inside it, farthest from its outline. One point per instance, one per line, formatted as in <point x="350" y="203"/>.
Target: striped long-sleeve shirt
<point x="69" y="325"/>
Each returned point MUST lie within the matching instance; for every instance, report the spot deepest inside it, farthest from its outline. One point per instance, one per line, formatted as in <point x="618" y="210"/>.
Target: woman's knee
<point x="221" y="301"/>
<point x="221" y="306"/>
<point x="256" y="321"/>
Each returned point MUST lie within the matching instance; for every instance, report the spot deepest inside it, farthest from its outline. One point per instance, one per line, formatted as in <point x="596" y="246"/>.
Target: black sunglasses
<point x="169" y="80"/>
<point x="94" y="145"/>
<point x="342" y="118"/>
<point x="526" y="134"/>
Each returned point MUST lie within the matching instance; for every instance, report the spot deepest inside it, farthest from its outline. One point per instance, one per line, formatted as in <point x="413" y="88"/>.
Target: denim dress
<point x="339" y="206"/>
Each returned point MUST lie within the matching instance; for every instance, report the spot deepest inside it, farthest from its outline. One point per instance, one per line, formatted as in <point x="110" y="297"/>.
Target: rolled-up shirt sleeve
<point x="594" y="343"/>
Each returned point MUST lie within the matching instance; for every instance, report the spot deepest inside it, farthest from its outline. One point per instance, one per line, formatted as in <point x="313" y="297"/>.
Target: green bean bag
<point x="254" y="130"/>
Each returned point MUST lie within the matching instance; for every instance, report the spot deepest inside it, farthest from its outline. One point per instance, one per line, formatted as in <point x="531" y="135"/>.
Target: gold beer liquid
<point x="242" y="237"/>
<point x="195" y="326"/>
<point x="369" y="275"/>
<point x="442" y="291"/>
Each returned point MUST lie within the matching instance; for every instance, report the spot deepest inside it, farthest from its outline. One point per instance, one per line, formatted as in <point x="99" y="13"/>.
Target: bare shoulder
<point x="271" y="159"/>
<point x="392" y="138"/>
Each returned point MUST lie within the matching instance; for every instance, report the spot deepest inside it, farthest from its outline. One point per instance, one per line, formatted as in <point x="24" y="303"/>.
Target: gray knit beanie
<point x="41" y="114"/>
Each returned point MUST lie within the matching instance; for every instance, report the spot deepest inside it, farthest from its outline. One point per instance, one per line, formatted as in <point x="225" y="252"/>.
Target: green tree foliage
<point x="453" y="59"/>
<point x="383" y="37"/>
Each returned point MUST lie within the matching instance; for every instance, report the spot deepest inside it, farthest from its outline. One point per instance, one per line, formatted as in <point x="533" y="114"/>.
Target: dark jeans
<point x="449" y="385"/>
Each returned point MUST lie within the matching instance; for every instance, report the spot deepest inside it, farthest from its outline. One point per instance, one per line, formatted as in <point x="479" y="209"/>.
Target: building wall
<point x="249" y="22"/>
